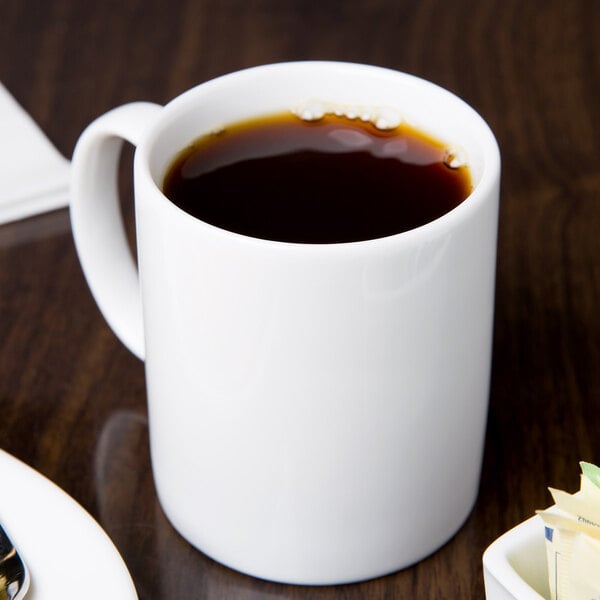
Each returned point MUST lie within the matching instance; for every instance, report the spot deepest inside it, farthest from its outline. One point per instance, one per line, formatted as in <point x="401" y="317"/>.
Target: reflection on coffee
<point x="334" y="179"/>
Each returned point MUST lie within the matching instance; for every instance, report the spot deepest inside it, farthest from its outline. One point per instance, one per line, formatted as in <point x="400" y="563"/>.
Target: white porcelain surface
<point x="307" y="403"/>
<point x="515" y="567"/>
<point x="69" y="556"/>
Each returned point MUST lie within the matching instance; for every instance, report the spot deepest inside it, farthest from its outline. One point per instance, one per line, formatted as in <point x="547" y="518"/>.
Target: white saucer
<point x="69" y="556"/>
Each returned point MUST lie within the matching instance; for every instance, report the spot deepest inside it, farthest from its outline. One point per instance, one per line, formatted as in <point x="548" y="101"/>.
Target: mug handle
<point x="97" y="223"/>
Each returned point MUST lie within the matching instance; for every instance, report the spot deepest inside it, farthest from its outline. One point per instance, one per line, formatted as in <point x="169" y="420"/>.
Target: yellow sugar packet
<point x="577" y="505"/>
<point x="559" y="520"/>
<point x="584" y="580"/>
<point x="572" y="535"/>
<point x="559" y="542"/>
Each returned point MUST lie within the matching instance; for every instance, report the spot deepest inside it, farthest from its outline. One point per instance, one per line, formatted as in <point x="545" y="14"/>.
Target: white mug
<point x="316" y="411"/>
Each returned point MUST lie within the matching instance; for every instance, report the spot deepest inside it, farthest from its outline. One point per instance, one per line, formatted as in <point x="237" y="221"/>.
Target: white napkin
<point x="34" y="176"/>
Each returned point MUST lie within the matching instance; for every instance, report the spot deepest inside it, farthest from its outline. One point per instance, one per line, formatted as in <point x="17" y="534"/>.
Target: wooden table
<point x="72" y="399"/>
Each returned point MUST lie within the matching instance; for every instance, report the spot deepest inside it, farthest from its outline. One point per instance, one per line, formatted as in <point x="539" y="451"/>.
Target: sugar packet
<point x="572" y="532"/>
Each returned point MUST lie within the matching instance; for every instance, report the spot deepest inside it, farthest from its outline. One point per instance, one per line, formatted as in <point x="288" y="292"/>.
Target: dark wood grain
<point x="72" y="400"/>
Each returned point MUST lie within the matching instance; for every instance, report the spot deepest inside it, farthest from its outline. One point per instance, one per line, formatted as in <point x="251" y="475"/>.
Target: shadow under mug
<point x="316" y="412"/>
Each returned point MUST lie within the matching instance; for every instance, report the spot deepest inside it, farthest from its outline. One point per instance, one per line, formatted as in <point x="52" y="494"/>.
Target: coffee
<point x="330" y="180"/>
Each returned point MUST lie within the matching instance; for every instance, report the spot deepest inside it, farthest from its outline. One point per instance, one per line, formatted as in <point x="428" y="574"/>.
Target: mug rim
<point x="489" y="178"/>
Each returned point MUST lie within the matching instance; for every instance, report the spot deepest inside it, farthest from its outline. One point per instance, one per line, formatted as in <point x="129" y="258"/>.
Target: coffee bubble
<point x="454" y="158"/>
<point x="383" y="118"/>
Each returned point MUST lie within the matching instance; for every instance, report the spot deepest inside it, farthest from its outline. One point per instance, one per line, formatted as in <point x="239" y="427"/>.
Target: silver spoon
<point x="14" y="576"/>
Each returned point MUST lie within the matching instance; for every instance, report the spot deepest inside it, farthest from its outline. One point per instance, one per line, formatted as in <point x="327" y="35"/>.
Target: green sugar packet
<point x="592" y="472"/>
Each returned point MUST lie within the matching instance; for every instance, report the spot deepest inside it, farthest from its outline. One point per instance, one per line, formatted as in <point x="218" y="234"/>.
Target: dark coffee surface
<point x="327" y="181"/>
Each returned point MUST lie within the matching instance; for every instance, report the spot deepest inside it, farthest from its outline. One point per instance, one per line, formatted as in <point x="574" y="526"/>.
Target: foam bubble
<point x="365" y="115"/>
<point x="351" y="112"/>
<point x="455" y="158"/>
<point x="384" y="118"/>
<point x="311" y="111"/>
<point x="388" y="118"/>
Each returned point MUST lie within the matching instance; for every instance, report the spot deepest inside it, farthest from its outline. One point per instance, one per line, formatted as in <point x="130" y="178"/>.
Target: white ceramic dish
<point x="514" y="566"/>
<point x="69" y="556"/>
